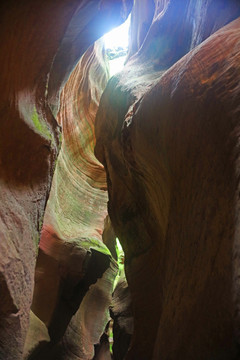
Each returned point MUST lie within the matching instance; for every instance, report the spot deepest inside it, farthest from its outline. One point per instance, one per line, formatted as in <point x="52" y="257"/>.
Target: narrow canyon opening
<point x="119" y="185"/>
<point x="116" y="46"/>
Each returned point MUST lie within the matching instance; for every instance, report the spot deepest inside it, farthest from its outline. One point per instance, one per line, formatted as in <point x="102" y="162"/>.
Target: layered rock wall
<point x="72" y="255"/>
<point x="168" y="138"/>
<point x="167" y="134"/>
<point x="41" y="42"/>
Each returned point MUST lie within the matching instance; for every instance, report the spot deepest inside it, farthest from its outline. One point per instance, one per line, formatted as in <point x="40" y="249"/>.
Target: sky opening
<point x="116" y="45"/>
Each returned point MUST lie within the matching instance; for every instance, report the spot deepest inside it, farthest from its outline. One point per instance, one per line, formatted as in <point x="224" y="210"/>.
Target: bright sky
<point x="116" y="65"/>
<point x="118" y="36"/>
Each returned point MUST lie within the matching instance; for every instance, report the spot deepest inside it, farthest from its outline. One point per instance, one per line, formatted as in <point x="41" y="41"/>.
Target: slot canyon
<point x="148" y="158"/>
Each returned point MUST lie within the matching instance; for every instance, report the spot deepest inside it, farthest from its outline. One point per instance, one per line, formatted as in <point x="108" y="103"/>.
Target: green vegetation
<point x="120" y="261"/>
<point x="120" y="254"/>
<point x="40" y="126"/>
<point x="110" y="336"/>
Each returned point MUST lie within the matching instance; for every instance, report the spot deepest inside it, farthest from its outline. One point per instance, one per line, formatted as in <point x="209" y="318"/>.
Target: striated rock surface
<point x="141" y="20"/>
<point x="72" y="255"/>
<point x="168" y="138"/>
<point x="41" y="42"/>
<point x="77" y="203"/>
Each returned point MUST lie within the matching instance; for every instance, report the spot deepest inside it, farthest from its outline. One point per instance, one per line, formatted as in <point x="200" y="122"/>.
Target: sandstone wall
<point x="41" y="42"/>
<point x="72" y="255"/>
<point x="167" y="134"/>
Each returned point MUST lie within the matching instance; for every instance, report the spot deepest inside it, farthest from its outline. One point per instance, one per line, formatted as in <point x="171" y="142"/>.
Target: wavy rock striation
<point x="167" y="134"/>
<point x="41" y="42"/>
<point x="167" y="138"/>
<point x="72" y="255"/>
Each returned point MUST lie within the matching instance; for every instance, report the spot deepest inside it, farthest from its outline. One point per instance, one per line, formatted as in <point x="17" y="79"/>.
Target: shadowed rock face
<point x="168" y="138"/>
<point x="121" y="313"/>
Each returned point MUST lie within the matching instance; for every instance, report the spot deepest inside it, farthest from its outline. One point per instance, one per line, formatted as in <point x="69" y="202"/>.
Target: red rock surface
<point x="78" y="203"/>
<point x="168" y="138"/>
<point x="34" y="37"/>
<point x="73" y="223"/>
<point x="167" y="134"/>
